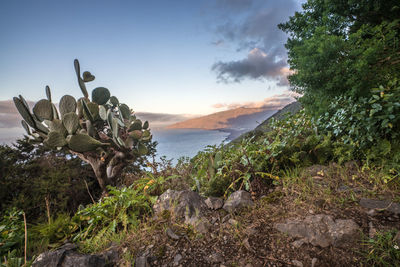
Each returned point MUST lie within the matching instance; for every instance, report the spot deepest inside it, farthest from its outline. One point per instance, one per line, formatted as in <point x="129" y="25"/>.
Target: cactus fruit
<point x="100" y="95"/>
<point x="43" y="110"/>
<point x="101" y="131"/>
<point x="67" y="104"/>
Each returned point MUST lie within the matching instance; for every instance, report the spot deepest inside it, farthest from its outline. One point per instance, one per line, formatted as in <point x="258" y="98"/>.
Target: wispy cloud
<point x="270" y="103"/>
<point x="252" y="26"/>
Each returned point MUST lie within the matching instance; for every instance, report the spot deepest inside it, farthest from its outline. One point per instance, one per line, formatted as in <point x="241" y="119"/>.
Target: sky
<point x="165" y="57"/>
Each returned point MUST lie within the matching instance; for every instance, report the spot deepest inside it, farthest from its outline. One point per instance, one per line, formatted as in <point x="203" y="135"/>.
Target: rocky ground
<point x="322" y="217"/>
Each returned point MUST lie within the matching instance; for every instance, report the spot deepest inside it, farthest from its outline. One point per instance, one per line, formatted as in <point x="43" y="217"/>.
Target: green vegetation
<point x="346" y="62"/>
<point x="382" y="250"/>
<point x="101" y="132"/>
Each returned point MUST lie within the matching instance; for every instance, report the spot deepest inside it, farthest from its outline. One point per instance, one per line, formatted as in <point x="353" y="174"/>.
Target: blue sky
<point x="178" y="57"/>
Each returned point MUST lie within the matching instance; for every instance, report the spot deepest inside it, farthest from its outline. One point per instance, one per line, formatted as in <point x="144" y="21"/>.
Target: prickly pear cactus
<point x="101" y="131"/>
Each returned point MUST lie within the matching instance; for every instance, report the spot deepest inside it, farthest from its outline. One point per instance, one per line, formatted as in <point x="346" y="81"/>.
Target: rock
<point x="177" y="259"/>
<point x="298" y="243"/>
<point x="297" y="263"/>
<point x="171" y="234"/>
<point x="214" y="203"/>
<point x="182" y="204"/>
<point x="313" y="262"/>
<point x="142" y="261"/>
<point x="321" y="230"/>
<point x="66" y="256"/>
<point x="380" y="205"/>
<point x="238" y="200"/>
<point x="201" y="225"/>
<point x="216" y="258"/>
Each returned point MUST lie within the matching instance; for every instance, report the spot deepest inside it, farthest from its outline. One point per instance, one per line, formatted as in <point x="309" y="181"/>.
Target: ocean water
<point x="176" y="143"/>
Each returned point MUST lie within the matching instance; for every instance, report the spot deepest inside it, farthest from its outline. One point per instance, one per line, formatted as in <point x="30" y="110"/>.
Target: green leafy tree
<point x="36" y="179"/>
<point x="102" y="131"/>
<point x="338" y="47"/>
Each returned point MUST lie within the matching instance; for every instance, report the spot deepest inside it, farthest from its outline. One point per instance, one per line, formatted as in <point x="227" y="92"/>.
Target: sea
<point x="176" y="143"/>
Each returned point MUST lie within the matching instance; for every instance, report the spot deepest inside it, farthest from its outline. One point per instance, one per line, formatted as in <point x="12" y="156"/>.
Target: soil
<point x="249" y="238"/>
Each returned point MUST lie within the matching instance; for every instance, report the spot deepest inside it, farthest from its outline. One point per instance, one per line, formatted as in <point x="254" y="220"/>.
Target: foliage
<point x="340" y="48"/>
<point x="292" y="141"/>
<point x="382" y="250"/>
<point x="369" y="125"/>
<point x="103" y="132"/>
<point x="12" y="233"/>
<point x="120" y="211"/>
<point x="32" y="174"/>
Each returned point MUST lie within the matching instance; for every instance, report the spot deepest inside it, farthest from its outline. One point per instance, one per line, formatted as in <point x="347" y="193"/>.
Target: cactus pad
<point x="55" y="139"/>
<point x="43" y="110"/>
<point x="48" y="93"/>
<point x="26" y="127"/>
<point x="24" y="111"/>
<point x="83" y="143"/>
<point x="71" y="122"/>
<point x="57" y="126"/>
<point x="145" y="125"/>
<point x="100" y="95"/>
<point x="67" y="104"/>
<point x="136" y="134"/>
<point x="136" y="125"/>
<point x="102" y="113"/>
<point x="125" y="111"/>
<point x="142" y="149"/>
<point x="114" y="101"/>
<point x="87" y="77"/>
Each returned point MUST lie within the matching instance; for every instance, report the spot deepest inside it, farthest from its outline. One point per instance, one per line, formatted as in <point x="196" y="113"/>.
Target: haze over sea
<point x="176" y="143"/>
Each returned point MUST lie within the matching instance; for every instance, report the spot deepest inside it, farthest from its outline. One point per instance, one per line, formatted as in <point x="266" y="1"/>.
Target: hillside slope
<point x="239" y="118"/>
<point x="263" y="127"/>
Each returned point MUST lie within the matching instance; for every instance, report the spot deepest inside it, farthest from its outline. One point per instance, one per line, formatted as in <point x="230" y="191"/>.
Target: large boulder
<point x="184" y="204"/>
<point x="321" y="230"/>
<point x="67" y="256"/>
<point x="187" y="205"/>
<point x="238" y="200"/>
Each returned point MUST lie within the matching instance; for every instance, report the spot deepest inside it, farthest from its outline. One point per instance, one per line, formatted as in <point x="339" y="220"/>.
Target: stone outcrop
<point x="321" y="230"/>
<point x="67" y="256"/>
<point x="238" y="200"/>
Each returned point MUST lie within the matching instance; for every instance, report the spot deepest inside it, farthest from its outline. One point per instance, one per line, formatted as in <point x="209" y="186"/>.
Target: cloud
<point x="257" y="65"/>
<point x="274" y="102"/>
<point x="252" y="26"/>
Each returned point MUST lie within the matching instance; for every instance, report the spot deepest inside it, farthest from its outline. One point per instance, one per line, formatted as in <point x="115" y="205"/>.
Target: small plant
<point x="102" y="131"/>
<point x="382" y="250"/>
<point x="12" y="234"/>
